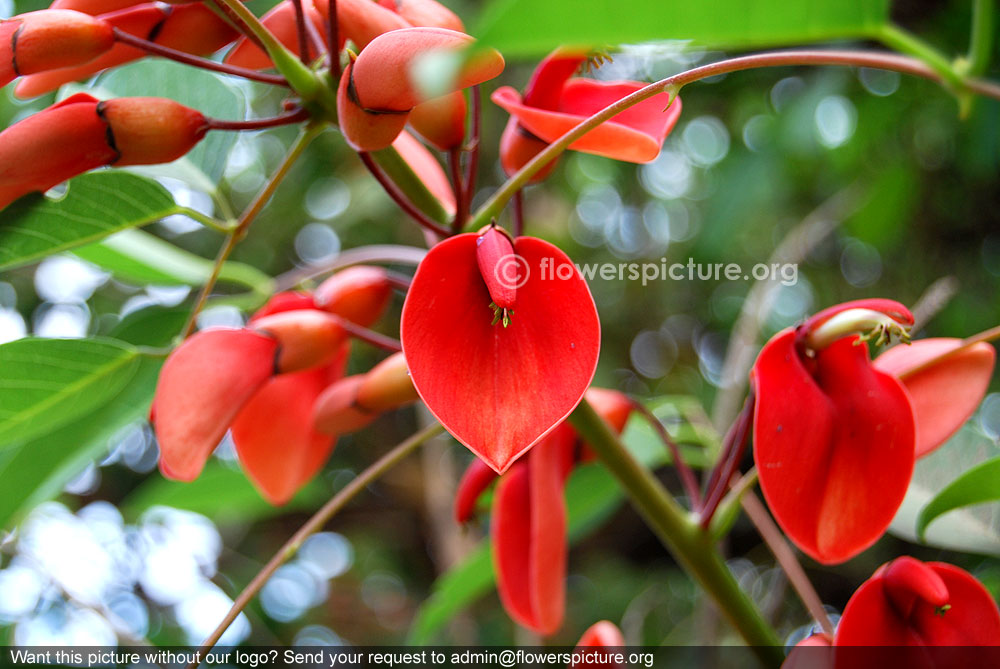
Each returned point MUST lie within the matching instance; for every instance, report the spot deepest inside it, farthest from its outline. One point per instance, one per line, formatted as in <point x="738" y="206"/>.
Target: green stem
<point x="302" y="80"/>
<point x="885" y="61"/>
<point x="239" y="231"/>
<point x="224" y="227"/>
<point x="981" y="40"/>
<point x="680" y="533"/>
<point x="900" y="40"/>
<point x="315" y="524"/>
<point x="410" y="184"/>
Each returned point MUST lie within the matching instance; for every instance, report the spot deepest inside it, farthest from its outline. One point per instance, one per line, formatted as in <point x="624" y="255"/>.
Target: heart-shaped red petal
<point x="496" y="389"/>
<point x="834" y="445"/>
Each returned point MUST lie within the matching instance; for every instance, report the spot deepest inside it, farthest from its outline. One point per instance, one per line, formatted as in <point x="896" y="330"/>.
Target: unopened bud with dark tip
<point x="387" y="386"/>
<point x="306" y="338"/>
<point x="365" y="129"/>
<point x="358" y="294"/>
<point x="518" y="146"/>
<point x="50" y="39"/>
<point x="500" y="270"/>
<point x="146" y="131"/>
<point x="336" y="411"/>
<point x="441" y="121"/>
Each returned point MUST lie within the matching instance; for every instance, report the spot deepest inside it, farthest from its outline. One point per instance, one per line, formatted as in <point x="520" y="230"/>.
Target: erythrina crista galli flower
<point x="49" y="39"/>
<point x="554" y="102"/>
<point x="501" y="339"/>
<point x="81" y="133"/>
<point x="528" y="523"/>
<point x="834" y="437"/>
<point x="262" y="382"/>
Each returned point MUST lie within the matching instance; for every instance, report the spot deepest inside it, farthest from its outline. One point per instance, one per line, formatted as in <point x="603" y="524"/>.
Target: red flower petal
<point x="834" y="447"/>
<point x="945" y="392"/>
<point x="277" y="444"/>
<point x="529" y="534"/>
<point x="477" y="478"/>
<point x="499" y="390"/>
<point x="635" y="135"/>
<point x="425" y="165"/>
<point x="203" y="385"/>
<point x="872" y="616"/>
<point x="602" y="634"/>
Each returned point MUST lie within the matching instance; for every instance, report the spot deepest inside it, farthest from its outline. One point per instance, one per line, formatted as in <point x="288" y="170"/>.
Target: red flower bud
<point x="833" y="437"/>
<point x="518" y="147"/>
<point x="441" y="121"/>
<point x="501" y="271"/>
<point x="377" y="91"/>
<point x="387" y="386"/>
<point x="191" y="28"/>
<point x="475" y="481"/>
<point x="946" y="381"/>
<point x="51" y="146"/>
<point x="912" y="603"/>
<point x="50" y="39"/>
<point x="425" y="13"/>
<point x="336" y="410"/>
<point x="357" y="294"/>
<point x="426" y="166"/>
<point x="361" y="21"/>
<point x="603" y="634"/>
<point x="306" y="338"/>
<point x="151" y="130"/>
<point x="499" y="390"/>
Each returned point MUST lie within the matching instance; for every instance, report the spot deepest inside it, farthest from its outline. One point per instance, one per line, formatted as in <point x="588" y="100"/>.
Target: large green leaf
<point x="38" y="469"/>
<point x="221" y="492"/>
<point x="533" y="28"/>
<point x="978" y="485"/>
<point x="592" y="495"/>
<point x="46" y="383"/>
<point x="139" y="257"/>
<point x="972" y="529"/>
<point x="95" y="205"/>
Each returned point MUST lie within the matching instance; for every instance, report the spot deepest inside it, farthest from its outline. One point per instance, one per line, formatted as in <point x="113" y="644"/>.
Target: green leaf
<point x="47" y="383"/>
<point x="592" y="495"/>
<point x="95" y="205"/>
<point x="715" y="23"/>
<point x="976" y="486"/>
<point x="221" y="492"/>
<point x="37" y="470"/>
<point x="971" y="529"/>
<point x="154" y="326"/>
<point x="139" y="257"/>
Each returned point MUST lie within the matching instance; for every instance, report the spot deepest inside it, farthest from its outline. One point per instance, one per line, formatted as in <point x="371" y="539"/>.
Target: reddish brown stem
<point x="472" y="167"/>
<point x="684" y="471"/>
<point x="333" y="41"/>
<point x="239" y="24"/>
<point x="393" y="191"/>
<point x="370" y="336"/>
<point x="733" y="448"/>
<point x="458" y="186"/>
<point x="300" y="28"/>
<point x="259" y="123"/>
<point x="197" y="61"/>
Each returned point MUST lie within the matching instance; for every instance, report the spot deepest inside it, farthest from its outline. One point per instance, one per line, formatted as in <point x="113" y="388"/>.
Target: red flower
<point x="528" y="524"/>
<point x="81" y="133"/>
<point x="262" y="382"/>
<point x="499" y="378"/>
<point x="602" y="634"/>
<point x="50" y="39"/>
<point x="913" y="603"/>
<point x="554" y="103"/>
<point x="281" y="22"/>
<point x="355" y="401"/>
<point x="945" y="380"/>
<point x="833" y="436"/>
<point x="377" y="91"/>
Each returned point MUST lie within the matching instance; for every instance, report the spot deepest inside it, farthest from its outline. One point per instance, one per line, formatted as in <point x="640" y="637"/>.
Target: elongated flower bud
<point x="336" y="411"/>
<point x="500" y="270"/>
<point x="50" y="39"/>
<point x="51" y="146"/>
<point x="518" y="146"/>
<point x="281" y="22"/>
<point x="151" y="130"/>
<point x="361" y="21"/>
<point x="387" y="386"/>
<point x="441" y="121"/>
<point x="306" y="338"/>
<point x="357" y="294"/>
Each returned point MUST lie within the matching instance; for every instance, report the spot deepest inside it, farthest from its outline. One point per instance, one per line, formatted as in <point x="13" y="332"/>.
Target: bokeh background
<point x="869" y="181"/>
